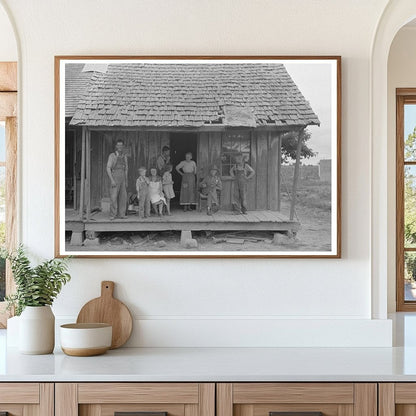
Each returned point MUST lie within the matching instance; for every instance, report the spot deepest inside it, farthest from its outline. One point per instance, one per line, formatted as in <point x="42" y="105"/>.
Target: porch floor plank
<point x="193" y="220"/>
<point x="261" y="216"/>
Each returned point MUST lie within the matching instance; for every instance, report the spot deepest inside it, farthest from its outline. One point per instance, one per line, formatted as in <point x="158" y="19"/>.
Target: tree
<point x="410" y="191"/>
<point x="410" y="204"/>
<point x="410" y="146"/>
<point x="290" y="144"/>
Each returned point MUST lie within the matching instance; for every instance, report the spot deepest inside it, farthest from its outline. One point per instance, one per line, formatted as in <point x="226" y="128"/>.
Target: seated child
<point x="155" y="192"/>
<point x="167" y="185"/>
<point x="210" y="186"/>
<point x="142" y="187"/>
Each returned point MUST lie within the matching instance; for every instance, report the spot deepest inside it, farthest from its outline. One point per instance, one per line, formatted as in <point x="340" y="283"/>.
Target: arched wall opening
<point x="383" y="161"/>
<point x="401" y="74"/>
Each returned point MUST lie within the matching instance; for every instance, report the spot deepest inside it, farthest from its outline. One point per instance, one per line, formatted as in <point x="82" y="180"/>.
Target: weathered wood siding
<point x="74" y="171"/>
<point x="264" y="189"/>
<point x="143" y="147"/>
<point x="273" y="174"/>
<point x="261" y="178"/>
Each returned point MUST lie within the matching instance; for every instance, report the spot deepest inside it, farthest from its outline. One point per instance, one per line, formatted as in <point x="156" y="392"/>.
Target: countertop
<point x="215" y="364"/>
<point x="222" y="364"/>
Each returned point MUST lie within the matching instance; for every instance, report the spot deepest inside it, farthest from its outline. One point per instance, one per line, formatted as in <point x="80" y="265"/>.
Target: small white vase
<point x="37" y="330"/>
<point x="12" y="334"/>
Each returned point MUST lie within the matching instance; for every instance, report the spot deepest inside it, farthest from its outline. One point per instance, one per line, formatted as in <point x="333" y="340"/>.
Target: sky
<point x="314" y="82"/>
<point x="409" y="119"/>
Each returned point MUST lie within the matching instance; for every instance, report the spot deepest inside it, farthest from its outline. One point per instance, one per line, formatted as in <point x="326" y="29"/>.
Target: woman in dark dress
<point x="187" y="169"/>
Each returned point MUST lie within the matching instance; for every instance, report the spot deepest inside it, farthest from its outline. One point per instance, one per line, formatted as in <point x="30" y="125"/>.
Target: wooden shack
<point x="214" y="110"/>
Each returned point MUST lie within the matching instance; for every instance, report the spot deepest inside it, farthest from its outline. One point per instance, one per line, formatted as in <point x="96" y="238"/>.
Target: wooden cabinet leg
<point x="66" y="399"/>
<point x="224" y="399"/>
<point x="47" y="399"/>
<point x="386" y="399"/>
<point x="207" y="399"/>
<point x="365" y="399"/>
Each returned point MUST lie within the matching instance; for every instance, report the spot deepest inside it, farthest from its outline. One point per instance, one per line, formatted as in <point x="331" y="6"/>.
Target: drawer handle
<point x="139" y="414"/>
<point x="295" y="413"/>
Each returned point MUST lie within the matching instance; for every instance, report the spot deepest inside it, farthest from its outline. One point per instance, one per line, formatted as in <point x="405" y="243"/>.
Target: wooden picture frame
<point x="249" y="124"/>
<point x="404" y="96"/>
<point x="8" y="115"/>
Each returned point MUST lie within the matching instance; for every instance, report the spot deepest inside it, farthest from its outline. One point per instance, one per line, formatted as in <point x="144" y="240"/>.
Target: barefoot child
<point x="167" y="185"/>
<point x="241" y="172"/>
<point x="142" y="187"/>
<point x="210" y="185"/>
<point x="155" y="192"/>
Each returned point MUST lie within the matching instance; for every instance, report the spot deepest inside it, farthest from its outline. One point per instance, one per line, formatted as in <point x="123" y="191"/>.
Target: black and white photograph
<point x="198" y="157"/>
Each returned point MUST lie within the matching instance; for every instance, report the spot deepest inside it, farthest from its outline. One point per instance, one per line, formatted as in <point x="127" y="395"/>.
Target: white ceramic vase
<point x="37" y="330"/>
<point x="12" y="334"/>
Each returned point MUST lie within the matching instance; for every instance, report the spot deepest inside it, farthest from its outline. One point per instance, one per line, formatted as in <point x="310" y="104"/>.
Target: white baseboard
<point x="188" y="332"/>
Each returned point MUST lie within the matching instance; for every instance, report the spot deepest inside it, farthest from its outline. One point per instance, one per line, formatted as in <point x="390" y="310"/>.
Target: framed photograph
<point x="198" y="156"/>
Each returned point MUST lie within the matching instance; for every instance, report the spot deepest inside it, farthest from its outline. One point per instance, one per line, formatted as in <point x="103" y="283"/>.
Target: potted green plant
<point x="36" y="289"/>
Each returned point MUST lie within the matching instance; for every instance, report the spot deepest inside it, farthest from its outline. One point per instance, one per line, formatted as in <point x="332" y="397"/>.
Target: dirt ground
<point x="312" y="211"/>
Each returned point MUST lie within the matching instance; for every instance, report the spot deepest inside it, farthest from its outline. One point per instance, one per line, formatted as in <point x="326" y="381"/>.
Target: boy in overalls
<point x="241" y="172"/>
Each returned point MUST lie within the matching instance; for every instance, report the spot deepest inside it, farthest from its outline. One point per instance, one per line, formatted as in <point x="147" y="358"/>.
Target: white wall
<point x="8" y="47"/>
<point x="246" y="302"/>
<point x="401" y="74"/>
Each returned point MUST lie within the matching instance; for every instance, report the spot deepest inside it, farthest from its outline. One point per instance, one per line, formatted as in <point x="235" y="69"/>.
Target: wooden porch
<point x="266" y="220"/>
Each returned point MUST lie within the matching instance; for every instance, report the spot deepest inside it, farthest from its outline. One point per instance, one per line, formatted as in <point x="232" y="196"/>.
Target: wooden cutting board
<point x="107" y="309"/>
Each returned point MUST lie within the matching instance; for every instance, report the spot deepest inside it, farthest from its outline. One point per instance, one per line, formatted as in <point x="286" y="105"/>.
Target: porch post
<point x="82" y="187"/>
<point x="88" y="173"/>
<point x="74" y="167"/>
<point x="279" y="172"/>
<point x="296" y="176"/>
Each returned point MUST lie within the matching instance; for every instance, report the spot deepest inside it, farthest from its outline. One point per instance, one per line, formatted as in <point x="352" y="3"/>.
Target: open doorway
<point x="180" y="144"/>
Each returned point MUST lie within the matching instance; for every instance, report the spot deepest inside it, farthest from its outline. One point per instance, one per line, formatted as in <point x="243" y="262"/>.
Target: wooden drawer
<point x="27" y="399"/>
<point x="397" y="399"/>
<point x="105" y="399"/>
<point x="331" y="399"/>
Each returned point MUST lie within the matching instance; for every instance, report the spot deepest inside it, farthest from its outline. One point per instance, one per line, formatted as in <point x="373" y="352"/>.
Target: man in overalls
<point x="117" y="172"/>
<point x="241" y="172"/>
<point x="163" y="160"/>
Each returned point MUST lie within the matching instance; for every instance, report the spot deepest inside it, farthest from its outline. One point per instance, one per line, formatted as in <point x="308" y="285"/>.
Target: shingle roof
<point x="76" y="84"/>
<point x="191" y="95"/>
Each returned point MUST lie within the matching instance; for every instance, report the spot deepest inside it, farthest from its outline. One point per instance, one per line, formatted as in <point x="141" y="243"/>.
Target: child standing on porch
<point x="155" y="192"/>
<point x="241" y="172"/>
<point x="142" y="187"/>
<point x="167" y="185"/>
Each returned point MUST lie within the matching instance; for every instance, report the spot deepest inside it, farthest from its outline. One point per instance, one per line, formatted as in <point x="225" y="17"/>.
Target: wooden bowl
<point x="85" y="340"/>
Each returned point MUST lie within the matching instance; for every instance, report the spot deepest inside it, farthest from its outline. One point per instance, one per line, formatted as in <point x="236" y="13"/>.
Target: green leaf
<point x="35" y="286"/>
